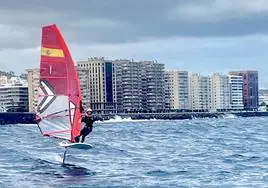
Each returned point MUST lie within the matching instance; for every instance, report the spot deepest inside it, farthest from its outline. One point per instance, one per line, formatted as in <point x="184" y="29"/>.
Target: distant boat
<point x="60" y="99"/>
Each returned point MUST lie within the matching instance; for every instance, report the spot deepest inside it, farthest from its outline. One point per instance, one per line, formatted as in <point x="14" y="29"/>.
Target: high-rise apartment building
<point x="250" y="88"/>
<point x="236" y="89"/>
<point x="122" y="85"/>
<point x="97" y="77"/>
<point x="220" y="92"/>
<point x="176" y="87"/>
<point x="33" y="76"/>
<point x="199" y="92"/>
<point x="153" y="87"/>
<point x="14" y="98"/>
<point x="168" y="90"/>
<point x="141" y="85"/>
<point x="129" y="85"/>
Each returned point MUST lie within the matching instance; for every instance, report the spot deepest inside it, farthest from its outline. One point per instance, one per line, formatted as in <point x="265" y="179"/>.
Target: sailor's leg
<point x="85" y="133"/>
<point x="90" y="129"/>
<point x="77" y="139"/>
<point x="83" y="138"/>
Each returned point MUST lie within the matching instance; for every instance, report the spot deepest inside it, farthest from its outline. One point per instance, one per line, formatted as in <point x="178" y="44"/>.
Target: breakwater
<point x="29" y="118"/>
<point x="17" y="118"/>
<point x="182" y="115"/>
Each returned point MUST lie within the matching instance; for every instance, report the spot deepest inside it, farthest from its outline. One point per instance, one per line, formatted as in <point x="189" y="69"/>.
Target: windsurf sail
<point x="59" y="100"/>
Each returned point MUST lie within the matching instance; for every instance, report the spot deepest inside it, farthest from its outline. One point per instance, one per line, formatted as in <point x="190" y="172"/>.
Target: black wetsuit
<point x="89" y="120"/>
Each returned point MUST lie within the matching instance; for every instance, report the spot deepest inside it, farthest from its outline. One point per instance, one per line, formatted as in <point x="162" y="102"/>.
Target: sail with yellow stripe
<point x="60" y="97"/>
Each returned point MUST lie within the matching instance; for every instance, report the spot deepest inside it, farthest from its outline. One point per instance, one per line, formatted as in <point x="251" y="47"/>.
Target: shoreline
<point x="29" y="117"/>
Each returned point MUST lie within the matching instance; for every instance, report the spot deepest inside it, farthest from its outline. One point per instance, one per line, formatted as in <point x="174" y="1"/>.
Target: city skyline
<point x="108" y="86"/>
<point x="122" y="85"/>
<point x="205" y="37"/>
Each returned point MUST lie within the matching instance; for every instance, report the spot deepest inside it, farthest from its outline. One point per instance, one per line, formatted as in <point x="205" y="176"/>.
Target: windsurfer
<point x="88" y="120"/>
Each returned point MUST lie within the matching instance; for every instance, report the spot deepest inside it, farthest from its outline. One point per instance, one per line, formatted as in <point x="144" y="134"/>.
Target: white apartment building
<point x="177" y="89"/>
<point x="33" y="79"/>
<point x="199" y="92"/>
<point x="13" y="98"/>
<point x="236" y="88"/>
<point x="220" y="96"/>
<point x="97" y="77"/>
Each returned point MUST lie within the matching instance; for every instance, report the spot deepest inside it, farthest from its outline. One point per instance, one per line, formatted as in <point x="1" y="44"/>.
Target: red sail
<point x="59" y="93"/>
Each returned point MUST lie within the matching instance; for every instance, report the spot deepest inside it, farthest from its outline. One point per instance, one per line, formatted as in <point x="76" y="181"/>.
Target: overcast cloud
<point x="201" y="36"/>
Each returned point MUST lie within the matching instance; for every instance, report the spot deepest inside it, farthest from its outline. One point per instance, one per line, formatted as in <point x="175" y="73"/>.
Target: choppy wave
<point x="221" y="152"/>
<point x="229" y="116"/>
<point x="119" y="119"/>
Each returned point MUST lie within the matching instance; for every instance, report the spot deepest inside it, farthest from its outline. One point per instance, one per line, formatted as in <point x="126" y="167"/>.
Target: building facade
<point x="250" y="88"/>
<point x="97" y="77"/>
<point x="176" y="88"/>
<point x="236" y="88"/>
<point x="139" y="86"/>
<point x="199" y="92"/>
<point x="128" y="85"/>
<point x="33" y="79"/>
<point x="168" y="89"/>
<point x="14" y="98"/>
<point x="122" y="85"/>
<point x="220" y="93"/>
<point x="153" y="86"/>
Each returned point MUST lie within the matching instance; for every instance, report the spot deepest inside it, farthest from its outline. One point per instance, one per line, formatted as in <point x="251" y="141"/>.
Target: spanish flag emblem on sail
<point x="51" y="52"/>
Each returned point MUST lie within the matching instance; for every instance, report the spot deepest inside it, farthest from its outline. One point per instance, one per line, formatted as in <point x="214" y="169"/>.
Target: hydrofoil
<point x="74" y="145"/>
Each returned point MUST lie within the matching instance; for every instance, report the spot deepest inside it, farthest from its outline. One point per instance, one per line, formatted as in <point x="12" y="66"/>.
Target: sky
<point x="203" y="36"/>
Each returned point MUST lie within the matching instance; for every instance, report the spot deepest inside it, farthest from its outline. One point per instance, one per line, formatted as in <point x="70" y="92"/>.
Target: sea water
<point x="224" y="152"/>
